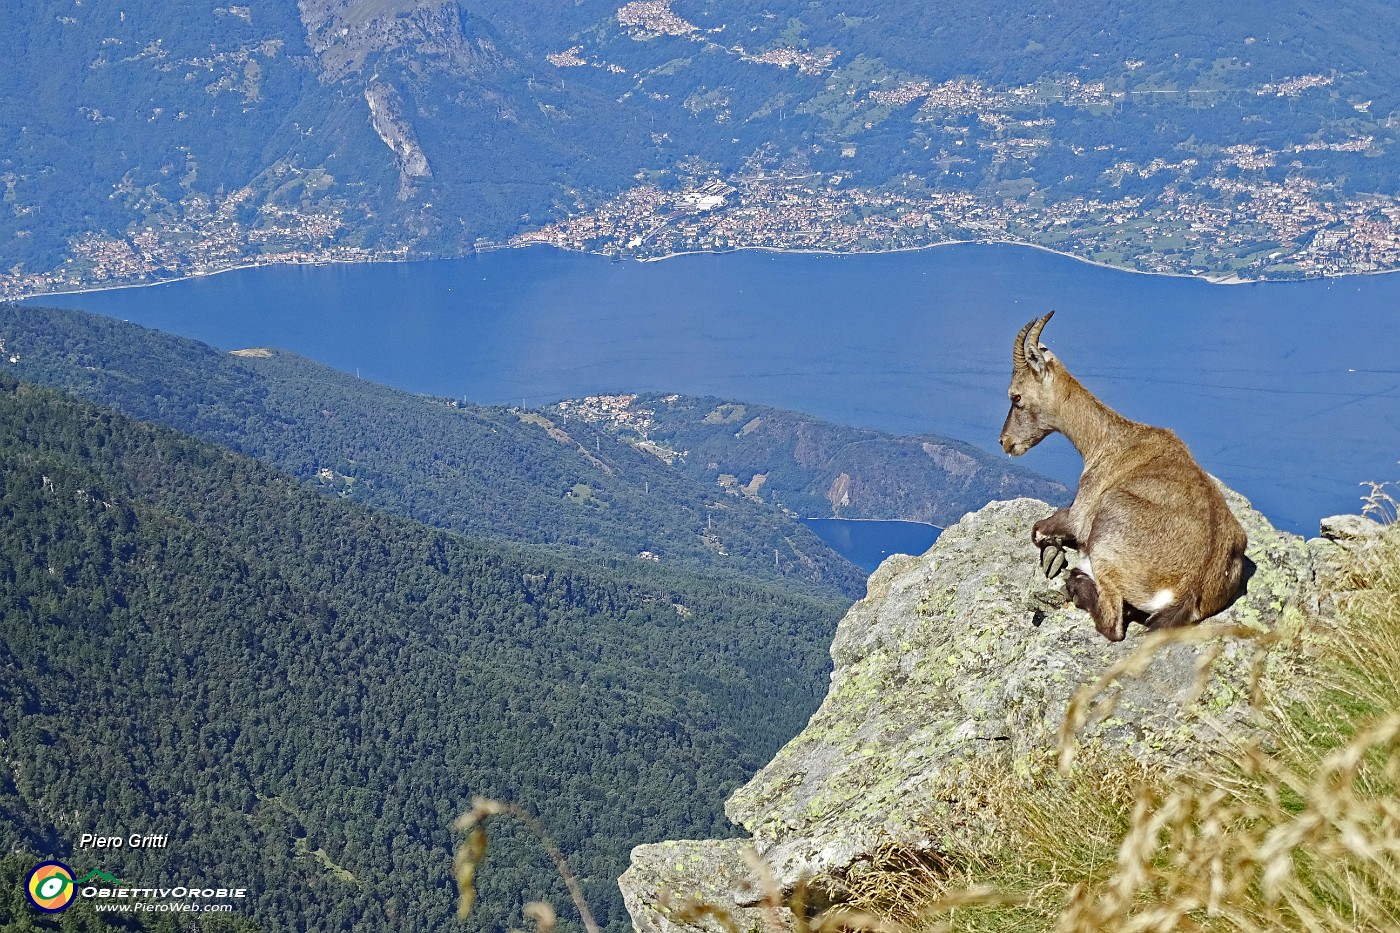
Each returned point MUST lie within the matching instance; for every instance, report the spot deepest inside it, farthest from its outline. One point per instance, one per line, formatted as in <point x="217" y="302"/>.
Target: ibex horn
<point x="1018" y="349"/>
<point x="1034" y="339"/>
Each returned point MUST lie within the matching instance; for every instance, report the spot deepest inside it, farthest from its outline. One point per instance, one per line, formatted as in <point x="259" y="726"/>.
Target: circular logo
<point x="50" y="887"/>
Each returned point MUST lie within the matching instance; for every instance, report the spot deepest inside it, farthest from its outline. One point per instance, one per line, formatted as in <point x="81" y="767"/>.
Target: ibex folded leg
<point x="1082" y="591"/>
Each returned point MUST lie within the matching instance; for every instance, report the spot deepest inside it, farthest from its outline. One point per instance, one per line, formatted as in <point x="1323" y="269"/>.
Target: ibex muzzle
<point x="1158" y="543"/>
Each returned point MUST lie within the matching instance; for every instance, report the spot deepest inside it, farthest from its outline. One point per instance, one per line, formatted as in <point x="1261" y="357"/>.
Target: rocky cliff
<point x="966" y="659"/>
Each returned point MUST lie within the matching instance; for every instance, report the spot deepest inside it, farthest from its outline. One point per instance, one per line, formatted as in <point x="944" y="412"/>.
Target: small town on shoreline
<point x="1254" y="231"/>
<point x="1251" y="231"/>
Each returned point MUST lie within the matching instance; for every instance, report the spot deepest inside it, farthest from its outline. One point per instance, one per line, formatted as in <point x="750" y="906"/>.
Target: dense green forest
<point x="303" y="692"/>
<point x="816" y="468"/>
<point x="488" y="472"/>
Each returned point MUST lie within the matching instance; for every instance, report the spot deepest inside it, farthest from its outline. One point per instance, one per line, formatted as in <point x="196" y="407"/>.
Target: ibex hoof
<point x="1052" y="560"/>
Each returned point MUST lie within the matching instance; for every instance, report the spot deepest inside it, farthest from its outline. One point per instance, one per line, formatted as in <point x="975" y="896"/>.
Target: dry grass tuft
<point x="473" y="849"/>
<point x="898" y="879"/>
<point x="1379" y="504"/>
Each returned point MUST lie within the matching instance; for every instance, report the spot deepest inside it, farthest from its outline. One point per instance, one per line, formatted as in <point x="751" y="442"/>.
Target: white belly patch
<point x="1160" y="600"/>
<point x="1086" y="568"/>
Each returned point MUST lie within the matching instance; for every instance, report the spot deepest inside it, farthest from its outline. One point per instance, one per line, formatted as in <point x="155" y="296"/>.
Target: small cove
<point x="866" y="543"/>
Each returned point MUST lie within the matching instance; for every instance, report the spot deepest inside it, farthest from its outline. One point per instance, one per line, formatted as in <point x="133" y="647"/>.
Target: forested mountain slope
<point x="813" y="467"/>
<point x="303" y="692"/>
<point x="488" y="472"/>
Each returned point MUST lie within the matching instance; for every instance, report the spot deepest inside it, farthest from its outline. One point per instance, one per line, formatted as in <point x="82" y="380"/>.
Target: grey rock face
<point x="1351" y="528"/>
<point x="965" y="656"/>
<point x="386" y="115"/>
<point x="667" y="877"/>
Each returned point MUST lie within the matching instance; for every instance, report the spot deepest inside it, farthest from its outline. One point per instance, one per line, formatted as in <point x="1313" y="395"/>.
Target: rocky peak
<point x="967" y="658"/>
<point x="344" y="34"/>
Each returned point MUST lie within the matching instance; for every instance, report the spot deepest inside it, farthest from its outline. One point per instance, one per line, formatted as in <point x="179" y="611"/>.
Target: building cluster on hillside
<point x="648" y="19"/>
<point x="615" y="411"/>
<point x="1125" y="168"/>
<point x="1249" y="228"/>
<point x="963" y="95"/>
<point x="1292" y="87"/>
<point x="645" y="20"/>
<point x="806" y="62"/>
<point x="569" y="58"/>
<point x="1248" y="157"/>
<point x="198" y="242"/>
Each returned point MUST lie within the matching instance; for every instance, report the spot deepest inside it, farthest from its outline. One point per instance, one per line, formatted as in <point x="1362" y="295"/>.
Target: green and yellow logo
<point x="50" y="887"/>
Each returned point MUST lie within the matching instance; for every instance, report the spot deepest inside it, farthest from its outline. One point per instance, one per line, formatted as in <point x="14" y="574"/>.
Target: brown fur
<point x="1146" y="515"/>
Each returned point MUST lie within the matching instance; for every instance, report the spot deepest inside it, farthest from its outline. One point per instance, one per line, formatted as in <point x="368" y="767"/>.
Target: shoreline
<point x="198" y="275"/>
<point x="1231" y="279"/>
<point x="1208" y="278"/>
<point x="837" y="518"/>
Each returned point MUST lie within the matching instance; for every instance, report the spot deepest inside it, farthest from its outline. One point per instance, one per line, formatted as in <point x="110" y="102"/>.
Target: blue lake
<point x="867" y="543"/>
<point x="1290" y="393"/>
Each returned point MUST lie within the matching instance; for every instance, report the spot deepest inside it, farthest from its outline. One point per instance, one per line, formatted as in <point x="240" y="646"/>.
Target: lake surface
<point x="867" y="543"/>
<point x="1290" y="393"/>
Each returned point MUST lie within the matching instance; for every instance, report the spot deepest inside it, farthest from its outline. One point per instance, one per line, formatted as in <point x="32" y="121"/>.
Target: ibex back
<point x="1158" y="543"/>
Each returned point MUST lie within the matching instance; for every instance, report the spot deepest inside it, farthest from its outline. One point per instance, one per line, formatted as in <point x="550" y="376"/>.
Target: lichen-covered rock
<point x="1351" y="528"/>
<point x="690" y="872"/>
<point x="968" y="655"/>
<point x="1344" y="538"/>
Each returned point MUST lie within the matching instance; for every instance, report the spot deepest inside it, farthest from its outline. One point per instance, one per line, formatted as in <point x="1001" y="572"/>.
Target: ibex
<point x="1158" y="542"/>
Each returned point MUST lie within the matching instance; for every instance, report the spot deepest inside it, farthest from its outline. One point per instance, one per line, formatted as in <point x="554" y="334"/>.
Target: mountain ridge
<point x="549" y="476"/>
<point x="1177" y="138"/>
<point x="486" y="471"/>
<point x="811" y="467"/>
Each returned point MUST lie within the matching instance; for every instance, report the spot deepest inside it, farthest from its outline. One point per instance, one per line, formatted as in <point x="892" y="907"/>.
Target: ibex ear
<point x="1035" y="359"/>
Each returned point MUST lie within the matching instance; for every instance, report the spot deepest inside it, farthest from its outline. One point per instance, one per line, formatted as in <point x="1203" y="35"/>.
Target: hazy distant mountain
<point x="141" y="139"/>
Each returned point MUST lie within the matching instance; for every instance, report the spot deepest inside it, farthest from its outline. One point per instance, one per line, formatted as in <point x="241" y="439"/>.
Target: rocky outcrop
<point x="386" y="115"/>
<point x="967" y="658"/>
<point x="347" y="34"/>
